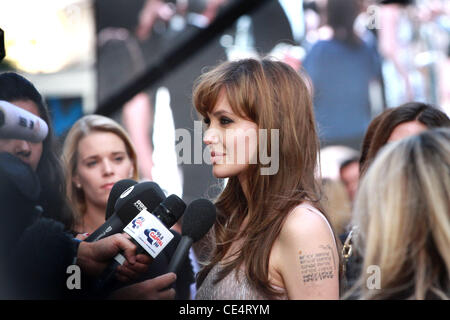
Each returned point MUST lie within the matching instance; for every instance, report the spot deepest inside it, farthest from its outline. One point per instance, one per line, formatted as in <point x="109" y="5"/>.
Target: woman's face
<point x="406" y="129"/>
<point x="28" y="152"/>
<point x="102" y="160"/>
<point x="232" y="140"/>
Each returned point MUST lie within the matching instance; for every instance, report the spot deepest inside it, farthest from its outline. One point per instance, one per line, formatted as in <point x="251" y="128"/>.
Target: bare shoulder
<point x="305" y="256"/>
<point x="302" y="224"/>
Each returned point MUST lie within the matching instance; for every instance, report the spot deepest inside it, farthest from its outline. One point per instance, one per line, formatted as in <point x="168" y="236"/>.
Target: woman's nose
<point x="211" y="136"/>
<point x="107" y="167"/>
<point x="22" y="148"/>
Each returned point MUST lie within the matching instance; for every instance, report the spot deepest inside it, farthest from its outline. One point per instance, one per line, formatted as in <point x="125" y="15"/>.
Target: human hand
<point x="128" y="271"/>
<point x="93" y="257"/>
<point x="152" y="289"/>
<point x="82" y="236"/>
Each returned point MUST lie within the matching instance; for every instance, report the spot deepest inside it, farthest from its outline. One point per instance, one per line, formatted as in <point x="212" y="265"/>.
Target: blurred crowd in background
<point x="361" y="56"/>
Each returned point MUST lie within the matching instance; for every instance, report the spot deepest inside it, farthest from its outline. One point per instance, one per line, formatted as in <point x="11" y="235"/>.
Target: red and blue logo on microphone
<point x="154" y="237"/>
<point x="137" y="223"/>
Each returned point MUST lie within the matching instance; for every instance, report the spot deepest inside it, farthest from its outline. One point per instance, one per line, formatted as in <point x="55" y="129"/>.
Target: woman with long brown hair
<point x="271" y="238"/>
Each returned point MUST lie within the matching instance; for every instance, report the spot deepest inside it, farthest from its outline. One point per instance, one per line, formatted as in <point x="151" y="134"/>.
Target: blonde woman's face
<point x="102" y="161"/>
<point x="232" y="140"/>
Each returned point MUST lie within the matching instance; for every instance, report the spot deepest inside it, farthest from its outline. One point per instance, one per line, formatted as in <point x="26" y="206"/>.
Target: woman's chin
<point x="222" y="171"/>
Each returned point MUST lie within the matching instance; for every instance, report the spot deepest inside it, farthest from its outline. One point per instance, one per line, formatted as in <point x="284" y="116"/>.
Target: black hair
<point x="52" y="198"/>
<point x="347" y="162"/>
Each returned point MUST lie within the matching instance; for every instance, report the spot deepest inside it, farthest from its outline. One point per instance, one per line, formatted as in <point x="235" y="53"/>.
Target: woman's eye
<point x="207" y="121"/>
<point x="225" y="121"/>
<point x="90" y="164"/>
<point x="118" y="159"/>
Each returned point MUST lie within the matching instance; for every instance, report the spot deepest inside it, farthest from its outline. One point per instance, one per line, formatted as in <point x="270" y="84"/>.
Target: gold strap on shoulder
<point x="347" y="249"/>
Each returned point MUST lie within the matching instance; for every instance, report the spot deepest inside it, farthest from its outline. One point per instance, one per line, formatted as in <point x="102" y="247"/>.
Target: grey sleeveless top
<point x="232" y="288"/>
<point x="229" y="288"/>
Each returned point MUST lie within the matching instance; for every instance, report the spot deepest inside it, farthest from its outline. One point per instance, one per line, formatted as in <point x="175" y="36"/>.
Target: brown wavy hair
<point x="381" y="127"/>
<point x="274" y="96"/>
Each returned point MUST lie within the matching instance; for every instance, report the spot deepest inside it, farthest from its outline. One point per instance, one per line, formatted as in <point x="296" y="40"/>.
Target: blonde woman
<point x="97" y="153"/>
<point x="402" y="211"/>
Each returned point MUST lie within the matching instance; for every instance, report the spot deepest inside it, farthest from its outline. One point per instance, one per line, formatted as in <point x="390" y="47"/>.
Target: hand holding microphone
<point x="94" y="257"/>
<point x="149" y="231"/>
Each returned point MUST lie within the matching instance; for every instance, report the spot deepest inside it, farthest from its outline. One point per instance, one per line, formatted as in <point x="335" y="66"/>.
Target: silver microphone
<point x="17" y="123"/>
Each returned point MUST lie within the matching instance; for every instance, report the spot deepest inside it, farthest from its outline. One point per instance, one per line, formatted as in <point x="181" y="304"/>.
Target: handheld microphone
<point x="116" y="191"/>
<point x="144" y="195"/>
<point x="17" y="123"/>
<point x="149" y="232"/>
<point x="199" y="218"/>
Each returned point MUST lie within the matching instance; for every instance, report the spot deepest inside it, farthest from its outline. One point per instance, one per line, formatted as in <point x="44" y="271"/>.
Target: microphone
<point x="140" y="196"/>
<point x="199" y="218"/>
<point x="118" y="188"/>
<point x="17" y="123"/>
<point x="149" y="232"/>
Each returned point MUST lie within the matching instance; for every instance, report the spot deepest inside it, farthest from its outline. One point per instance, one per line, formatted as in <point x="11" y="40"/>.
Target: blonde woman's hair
<point x="402" y="211"/>
<point x="82" y="128"/>
<point x="337" y="204"/>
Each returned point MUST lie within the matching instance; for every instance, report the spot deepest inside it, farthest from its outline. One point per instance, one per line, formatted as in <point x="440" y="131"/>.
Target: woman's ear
<point x="76" y="181"/>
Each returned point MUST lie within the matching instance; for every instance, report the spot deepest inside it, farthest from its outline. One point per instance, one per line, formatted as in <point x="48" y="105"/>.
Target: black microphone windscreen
<point x="145" y="195"/>
<point x="199" y="217"/>
<point x="118" y="188"/>
<point x="170" y="210"/>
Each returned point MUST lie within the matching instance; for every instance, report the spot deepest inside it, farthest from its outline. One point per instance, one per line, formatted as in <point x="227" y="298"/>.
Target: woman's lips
<point x="216" y="156"/>
<point x="107" y="186"/>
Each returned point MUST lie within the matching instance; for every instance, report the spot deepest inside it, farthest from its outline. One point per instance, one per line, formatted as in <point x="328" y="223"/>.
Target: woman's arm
<point x="306" y="257"/>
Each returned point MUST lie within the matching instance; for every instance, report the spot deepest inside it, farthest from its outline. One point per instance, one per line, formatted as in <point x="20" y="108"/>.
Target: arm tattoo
<point x="318" y="265"/>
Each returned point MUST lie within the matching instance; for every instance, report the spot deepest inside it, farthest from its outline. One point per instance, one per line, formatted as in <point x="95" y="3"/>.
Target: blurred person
<point x="331" y="158"/>
<point x="413" y="40"/>
<point x="269" y="226"/>
<point x="41" y="157"/>
<point x="368" y="137"/>
<point x="155" y="11"/>
<point x="402" y="214"/>
<point x="337" y="204"/>
<point x="400" y="122"/>
<point x="97" y="153"/>
<point x="391" y="125"/>
<point x="342" y="70"/>
<point x="349" y="174"/>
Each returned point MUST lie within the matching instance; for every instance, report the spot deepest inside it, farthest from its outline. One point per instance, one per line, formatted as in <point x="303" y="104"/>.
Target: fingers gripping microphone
<point x="149" y="232"/>
<point x="199" y="218"/>
<point x="144" y="195"/>
<point x="17" y="123"/>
